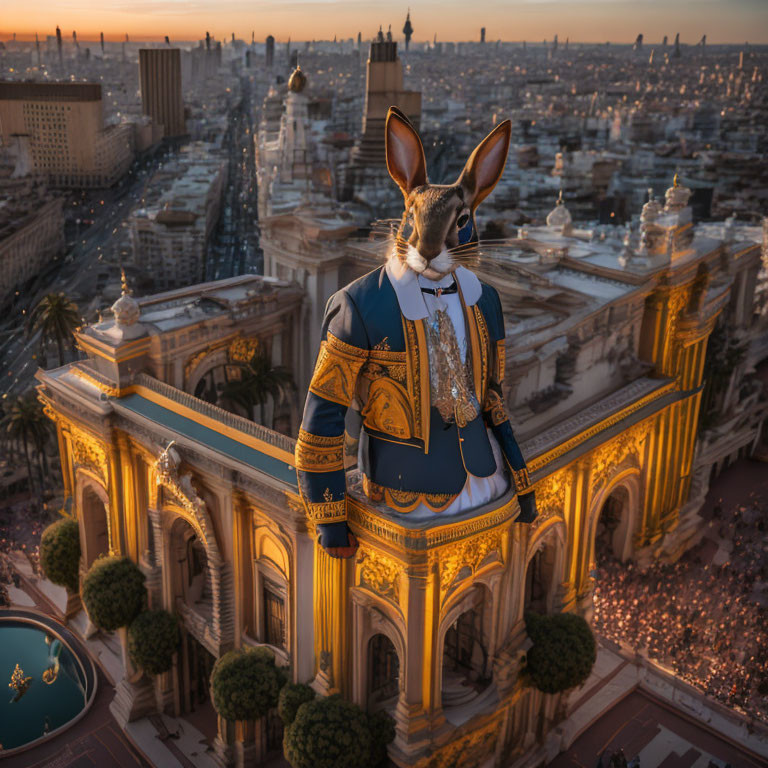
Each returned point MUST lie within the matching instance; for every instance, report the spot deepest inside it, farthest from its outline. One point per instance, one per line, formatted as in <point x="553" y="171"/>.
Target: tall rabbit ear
<point x="486" y="164"/>
<point x="405" y="155"/>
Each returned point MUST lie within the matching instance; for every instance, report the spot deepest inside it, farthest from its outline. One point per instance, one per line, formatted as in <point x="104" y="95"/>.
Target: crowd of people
<point x="705" y="621"/>
<point x="20" y="528"/>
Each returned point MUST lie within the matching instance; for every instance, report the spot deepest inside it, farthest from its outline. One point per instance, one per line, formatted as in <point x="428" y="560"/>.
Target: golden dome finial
<point x="676" y="181"/>
<point x="126" y="291"/>
<point x="560" y="197"/>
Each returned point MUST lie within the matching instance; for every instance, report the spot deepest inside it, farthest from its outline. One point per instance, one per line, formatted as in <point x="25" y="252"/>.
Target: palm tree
<point x="56" y="317"/>
<point x="258" y="380"/>
<point x="24" y="425"/>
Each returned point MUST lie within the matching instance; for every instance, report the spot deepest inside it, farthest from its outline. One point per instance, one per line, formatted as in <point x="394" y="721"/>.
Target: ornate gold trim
<point x="338" y="365"/>
<point x="317" y="453"/>
<point x="326" y="511"/>
<point x="540" y="461"/>
<point x="521" y="478"/>
<point x="494" y="407"/>
<point x="406" y="501"/>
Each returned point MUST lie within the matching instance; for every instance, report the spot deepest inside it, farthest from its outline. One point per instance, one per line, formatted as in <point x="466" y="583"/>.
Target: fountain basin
<point x="47" y="682"/>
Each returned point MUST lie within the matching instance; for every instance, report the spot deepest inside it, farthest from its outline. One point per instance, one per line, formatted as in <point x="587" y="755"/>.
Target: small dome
<point x="126" y="308"/>
<point x="297" y="82"/>
<point x="559" y="217"/>
<point x="677" y="196"/>
<point x="651" y="210"/>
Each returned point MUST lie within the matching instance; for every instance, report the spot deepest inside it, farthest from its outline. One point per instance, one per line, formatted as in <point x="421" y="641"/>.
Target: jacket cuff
<point x="333" y="535"/>
<point x="528" y="511"/>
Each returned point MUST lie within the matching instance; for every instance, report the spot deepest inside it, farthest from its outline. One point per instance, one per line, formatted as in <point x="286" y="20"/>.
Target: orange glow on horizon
<point x="531" y="20"/>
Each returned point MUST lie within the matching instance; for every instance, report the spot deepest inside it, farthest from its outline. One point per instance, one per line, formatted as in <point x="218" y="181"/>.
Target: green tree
<point x="257" y="381"/>
<point x="292" y="696"/>
<point x="382" y="729"/>
<point x="25" y="428"/>
<point x="113" y="592"/>
<point x="328" y="732"/>
<point x="60" y="553"/>
<point x="56" y="317"/>
<point x="153" y="638"/>
<point x="246" y="683"/>
<point x="563" y="652"/>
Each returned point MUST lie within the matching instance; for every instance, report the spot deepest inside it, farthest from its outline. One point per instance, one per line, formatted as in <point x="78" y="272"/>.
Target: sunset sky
<point x="733" y="21"/>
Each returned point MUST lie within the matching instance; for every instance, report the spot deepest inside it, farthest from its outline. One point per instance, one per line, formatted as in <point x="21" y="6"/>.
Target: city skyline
<point x="532" y="20"/>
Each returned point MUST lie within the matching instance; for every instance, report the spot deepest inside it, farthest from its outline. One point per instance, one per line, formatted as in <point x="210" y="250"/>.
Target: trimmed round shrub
<point x="292" y="696"/>
<point x="60" y="553"/>
<point x="153" y="638"/>
<point x="246" y="683"/>
<point x="382" y="728"/>
<point x="328" y="733"/>
<point x="563" y="652"/>
<point x="113" y="592"/>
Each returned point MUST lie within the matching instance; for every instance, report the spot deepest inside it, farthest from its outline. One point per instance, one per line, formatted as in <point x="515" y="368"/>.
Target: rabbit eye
<point x="461" y="222"/>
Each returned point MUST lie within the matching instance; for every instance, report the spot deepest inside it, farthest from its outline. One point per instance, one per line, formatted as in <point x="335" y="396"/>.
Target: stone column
<point x="331" y="576"/>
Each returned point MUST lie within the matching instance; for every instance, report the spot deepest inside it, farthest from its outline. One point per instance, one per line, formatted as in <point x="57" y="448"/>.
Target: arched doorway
<point x="466" y="662"/>
<point x="383" y="673"/>
<point x="612" y="529"/>
<point x="192" y="598"/>
<point x="95" y="534"/>
<point x="191" y="577"/>
<point x="540" y="577"/>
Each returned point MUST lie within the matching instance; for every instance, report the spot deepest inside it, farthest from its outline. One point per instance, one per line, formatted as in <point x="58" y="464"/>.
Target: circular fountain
<point x="47" y="682"/>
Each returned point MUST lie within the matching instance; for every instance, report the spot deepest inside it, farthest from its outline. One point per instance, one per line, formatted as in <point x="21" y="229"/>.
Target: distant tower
<point x="359" y="40"/>
<point x="74" y="39"/>
<point x="664" y="42"/>
<point x="270" y="51"/>
<point x="639" y="42"/>
<point x="676" y="53"/>
<point x="167" y="40"/>
<point x="207" y="41"/>
<point x="703" y="42"/>
<point x="482" y="34"/>
<point x="102" y="43"/>
<point x="58" y="45"/>
<point x="408" y="29"/>
<point x="37" y="46"/>
<point x="554" y="46"/>
<point x="160" y="83"/>
<point x="567" y="40"/>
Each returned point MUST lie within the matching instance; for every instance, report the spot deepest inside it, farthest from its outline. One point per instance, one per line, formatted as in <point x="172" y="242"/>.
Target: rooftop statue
<point x="417" y="346"/>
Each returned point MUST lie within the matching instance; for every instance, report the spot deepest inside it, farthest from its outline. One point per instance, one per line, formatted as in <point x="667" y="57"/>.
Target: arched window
<point x="466" y="664"/>
<point x="611" y="529"/>
<point x="383" y="672"/>
<point x="94" y="518"/>
<point x="540" y="578"/>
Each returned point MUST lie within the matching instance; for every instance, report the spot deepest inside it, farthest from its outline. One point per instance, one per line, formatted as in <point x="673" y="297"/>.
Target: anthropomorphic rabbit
<point x="418" y="345"/>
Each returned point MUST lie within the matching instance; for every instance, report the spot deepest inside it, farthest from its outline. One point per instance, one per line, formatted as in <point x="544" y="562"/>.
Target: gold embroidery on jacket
<point x="316" y="453"/>
<point x="501" y="360"/>
<point x="327" y="512"/>
<point x="494" y="406"/>
<point x="406" y="501"/>
<point x="521" y="478"/>
<point x="336" y="370"/>
<point x="485" y="348"/>
<point x="388" y="409"/>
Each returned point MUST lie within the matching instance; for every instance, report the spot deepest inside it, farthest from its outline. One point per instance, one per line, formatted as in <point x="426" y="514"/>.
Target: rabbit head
<point x="440" y="217"/>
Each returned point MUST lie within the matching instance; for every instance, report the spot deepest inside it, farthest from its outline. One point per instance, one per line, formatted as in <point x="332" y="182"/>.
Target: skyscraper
<point x="58" y="133"/>
<point x="160" y="83"/>
<point x="408" y="29"/>
<point x="270" y="50"/>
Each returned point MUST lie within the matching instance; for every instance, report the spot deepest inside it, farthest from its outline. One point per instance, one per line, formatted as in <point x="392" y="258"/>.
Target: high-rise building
<point x="270" y="50"/>
<point x="482" y="34"/>
<point x="408" y="29"/>
<point x="57" y="132"/>
<point x="384" y="88"/>
<point x="160" y="83"/>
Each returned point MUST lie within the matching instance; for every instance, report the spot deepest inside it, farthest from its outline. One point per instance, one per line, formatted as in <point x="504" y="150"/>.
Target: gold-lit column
<point x="128" y="510"/>
<point x="577" y="522"/>
<point x="66" y="464"/>
<point x="331" y="575"/>
<point x="242" y="536"/>
<point x="116" y="532"/>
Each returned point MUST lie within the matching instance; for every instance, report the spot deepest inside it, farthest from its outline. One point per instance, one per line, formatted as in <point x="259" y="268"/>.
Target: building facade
<point x="57" y="131"/>
<point x="606" y="365"/>
<point x="160" y="83"/>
